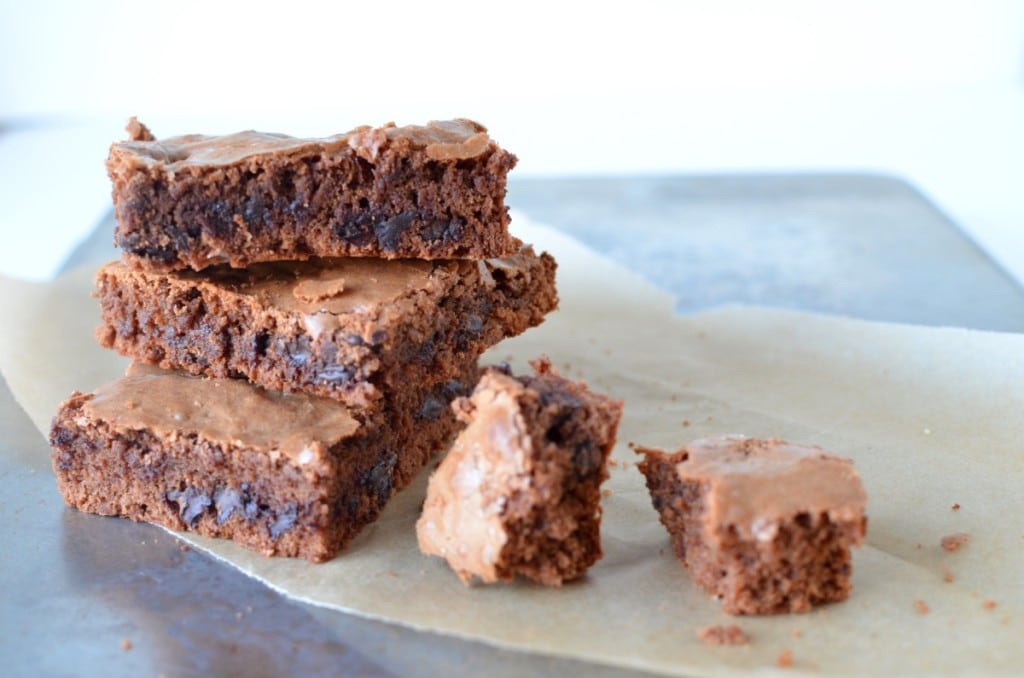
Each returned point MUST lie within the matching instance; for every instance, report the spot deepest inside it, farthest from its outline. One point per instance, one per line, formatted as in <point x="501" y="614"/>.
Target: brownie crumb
<point x="723" y="635"/>
<point x="126" y="644"/>
<point x="947" y="576"/>
<point x="956" y="507"/>
<point x="785" y="659"/>
<point x="952" y="542"/>
<point x="137" y="131"/>
<point x="797" y="633"/>
<point x="921" y="607"/>
<point x="184" y="548"/>
<point x="686" y="423"/>
<point x="989" y="604"/>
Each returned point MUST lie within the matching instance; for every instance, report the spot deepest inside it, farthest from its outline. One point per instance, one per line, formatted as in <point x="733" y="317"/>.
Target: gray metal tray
<point x="76" y="586"/>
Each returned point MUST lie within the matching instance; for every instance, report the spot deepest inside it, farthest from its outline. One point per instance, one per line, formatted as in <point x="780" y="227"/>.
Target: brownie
<point x="519" y="492"/>
<point x="764" y="525"/>
<point x="348" y="329"/>
<point x="427" y="192"/>
<point x="285" y="475"/>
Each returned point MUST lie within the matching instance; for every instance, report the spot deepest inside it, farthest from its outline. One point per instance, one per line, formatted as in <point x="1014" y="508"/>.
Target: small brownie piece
<point x="764" y="525"/>
<point x="519" y="492"/>
<point x="285" y="475"/>
<point x="348" y="329"/>
<point x="433" y="192"/>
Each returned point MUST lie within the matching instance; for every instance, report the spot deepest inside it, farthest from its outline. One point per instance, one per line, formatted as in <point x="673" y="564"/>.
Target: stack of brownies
<point x="301" y="312"/>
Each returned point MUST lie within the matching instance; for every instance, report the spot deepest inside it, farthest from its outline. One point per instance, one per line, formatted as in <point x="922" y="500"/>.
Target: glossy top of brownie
<point x="449" y="140"/>
<point x="230" y="411"/>
<point x="754" y="484"/>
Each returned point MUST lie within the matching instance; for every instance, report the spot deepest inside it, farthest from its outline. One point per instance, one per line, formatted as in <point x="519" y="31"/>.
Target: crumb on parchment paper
<point x="921" y="607"/>
<point x="952" y="542"/>
<point x="785" y="659"/>
<point x="722" y="634"/>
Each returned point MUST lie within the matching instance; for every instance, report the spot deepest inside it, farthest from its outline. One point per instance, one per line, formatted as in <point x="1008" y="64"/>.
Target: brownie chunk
<point x="764" y="525"/>
<point x="348" y="329"/>
<point x="431" y="192"/>
<point x="285" y="475"/>
<point x="519" y="492"/>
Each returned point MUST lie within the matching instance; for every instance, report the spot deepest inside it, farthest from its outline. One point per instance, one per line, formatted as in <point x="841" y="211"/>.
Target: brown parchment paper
<point x="932" y="417"/>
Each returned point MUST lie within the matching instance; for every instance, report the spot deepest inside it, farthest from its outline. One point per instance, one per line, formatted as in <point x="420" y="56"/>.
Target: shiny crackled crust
<point x="519" y="492"/>
<point x="759" y="555"/>
<point x="427" y="192"/>
<point x="308" y="503"/>
<point x="352" y="347"/>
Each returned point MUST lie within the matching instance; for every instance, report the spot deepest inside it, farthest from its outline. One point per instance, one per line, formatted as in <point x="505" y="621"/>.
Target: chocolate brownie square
<point x="348" y="329"/>
<point x="519" y="492"/>
<point x="285" y="475"/>
<point x="426" y="192"/>
<point x="764" y="525"/>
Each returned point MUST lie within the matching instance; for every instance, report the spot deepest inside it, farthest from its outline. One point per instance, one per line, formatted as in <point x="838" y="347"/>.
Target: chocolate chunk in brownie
<point x="519" y="492"/>
<point x="285" y="475"/>
<point x="764" y="525"/>
<point x="426" y="192"/>
<point x="348" y="329"/>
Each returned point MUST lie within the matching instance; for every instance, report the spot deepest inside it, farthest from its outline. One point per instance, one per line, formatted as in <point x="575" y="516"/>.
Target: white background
<point x="929" y="91"/>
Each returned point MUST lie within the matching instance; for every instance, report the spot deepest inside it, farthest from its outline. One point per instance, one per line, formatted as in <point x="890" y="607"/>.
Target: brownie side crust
<point x="779" y="562"/>
<point x="307" y="494"/>
<point x="519" y="494"/>
<point x="428" y="192"/>
<point x="348" y="339"/>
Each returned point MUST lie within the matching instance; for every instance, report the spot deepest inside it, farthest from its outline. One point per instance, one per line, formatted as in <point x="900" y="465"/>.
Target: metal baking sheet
<point x="77" y="586"/>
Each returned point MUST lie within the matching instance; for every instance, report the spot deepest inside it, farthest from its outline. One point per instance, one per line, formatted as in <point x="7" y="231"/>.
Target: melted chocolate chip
<point x="357" y="230"/>
<point x="190" y="502"/>
<point x="227" y="500"/>
<point x="337" y="373"/>
<point x="283" y="522"/>
<point x="586" y="458"/>
<point x="431" y="409"/>
<point x="379" y="478"/>
<point x="389" y="232"/>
